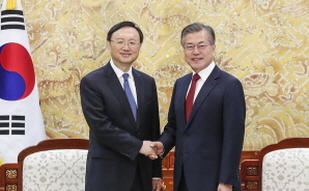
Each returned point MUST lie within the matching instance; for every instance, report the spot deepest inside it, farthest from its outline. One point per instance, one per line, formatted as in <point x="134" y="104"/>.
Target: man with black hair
<point x="121" y="108"/>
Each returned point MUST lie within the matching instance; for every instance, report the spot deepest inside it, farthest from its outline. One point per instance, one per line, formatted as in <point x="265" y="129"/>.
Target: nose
<point x="126" y="46"/>
<point x="195" y="50"/>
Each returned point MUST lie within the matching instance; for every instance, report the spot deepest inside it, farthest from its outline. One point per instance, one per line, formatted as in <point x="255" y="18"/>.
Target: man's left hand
<point x="225" y="187"/>
<point x="156" y="184"/>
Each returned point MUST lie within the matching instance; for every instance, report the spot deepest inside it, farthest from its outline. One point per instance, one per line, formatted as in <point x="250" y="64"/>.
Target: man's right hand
<point x="148" y="151"/>
<point x="158" y="147"/>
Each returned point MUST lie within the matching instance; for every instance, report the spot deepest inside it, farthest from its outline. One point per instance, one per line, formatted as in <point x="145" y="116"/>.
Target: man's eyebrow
<point x="197" y="43"/>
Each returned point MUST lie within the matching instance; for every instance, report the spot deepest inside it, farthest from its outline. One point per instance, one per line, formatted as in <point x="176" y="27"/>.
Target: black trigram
<point x="12" y="125"/>
<point x="12" y="19"/>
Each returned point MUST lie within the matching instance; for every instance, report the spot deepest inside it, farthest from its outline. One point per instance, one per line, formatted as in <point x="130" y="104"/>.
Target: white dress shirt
<point x="119" y="74"/>
<point x="204" y="74"/>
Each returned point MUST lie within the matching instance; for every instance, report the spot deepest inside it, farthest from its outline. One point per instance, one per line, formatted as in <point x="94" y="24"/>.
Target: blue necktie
<point x="129" y="94"/>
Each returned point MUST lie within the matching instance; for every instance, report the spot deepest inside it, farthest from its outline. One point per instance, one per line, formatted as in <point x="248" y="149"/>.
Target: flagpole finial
<point x="11" y="4"/>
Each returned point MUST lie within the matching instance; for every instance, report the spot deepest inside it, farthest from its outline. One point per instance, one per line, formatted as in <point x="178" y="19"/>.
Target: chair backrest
<point x="285" y="165"/>
<point x="55" y="164"/>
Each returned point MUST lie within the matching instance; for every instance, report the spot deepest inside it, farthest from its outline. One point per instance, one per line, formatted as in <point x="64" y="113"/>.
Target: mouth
<point x="125" y="54"/>
<point x="196" y="59"/>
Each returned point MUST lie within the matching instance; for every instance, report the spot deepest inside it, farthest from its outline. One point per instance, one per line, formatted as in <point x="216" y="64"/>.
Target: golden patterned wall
<point x="262" y="42"/>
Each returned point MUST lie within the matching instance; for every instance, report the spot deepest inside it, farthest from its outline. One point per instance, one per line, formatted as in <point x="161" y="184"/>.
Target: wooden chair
<point x="9" y="177"/>
<point x="249" y="174"/>
<point x="54" y="164"/>
<point x="285" y="165"/>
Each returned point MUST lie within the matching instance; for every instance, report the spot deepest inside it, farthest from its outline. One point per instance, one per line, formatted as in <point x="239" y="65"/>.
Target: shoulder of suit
<point x="138" y="73"/>
<point x="99" y="72"/>
<point x="228" y="76"/>
<point x="185" y="77"/>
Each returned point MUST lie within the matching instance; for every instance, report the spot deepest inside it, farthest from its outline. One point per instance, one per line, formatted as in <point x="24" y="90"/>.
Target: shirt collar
<point x="119" y="72"/>
<point x="204" y="74"/>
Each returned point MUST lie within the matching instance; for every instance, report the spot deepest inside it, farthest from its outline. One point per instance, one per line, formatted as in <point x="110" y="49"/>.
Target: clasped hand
<point x="152" y="149"/>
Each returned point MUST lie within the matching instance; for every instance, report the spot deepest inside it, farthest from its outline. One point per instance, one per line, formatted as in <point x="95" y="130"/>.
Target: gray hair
<point x="197" y="27"/>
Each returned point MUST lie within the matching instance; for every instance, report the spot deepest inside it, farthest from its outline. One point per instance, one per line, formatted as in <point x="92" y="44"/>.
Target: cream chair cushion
<point x="286" y="170"/>
<point x="55" y="170"/>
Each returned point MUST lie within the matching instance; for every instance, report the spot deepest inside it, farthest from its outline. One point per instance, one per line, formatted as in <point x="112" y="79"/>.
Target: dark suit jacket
<point x="209" y="145"/>
<point x="115" y="137"/>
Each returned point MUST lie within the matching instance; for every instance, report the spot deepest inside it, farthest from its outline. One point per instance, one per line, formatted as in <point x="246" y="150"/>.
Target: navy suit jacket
<point x="208" y="146"/>
<point x="115" y="137"/>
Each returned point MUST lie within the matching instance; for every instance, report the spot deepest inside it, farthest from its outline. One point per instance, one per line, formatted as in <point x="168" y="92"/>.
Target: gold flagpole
<point x="11" y="4"/>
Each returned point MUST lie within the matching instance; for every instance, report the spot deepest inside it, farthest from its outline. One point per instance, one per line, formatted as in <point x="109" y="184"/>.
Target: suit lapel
<point x="183" y="87"/>
<point x="115" y="86"/>
<point x="207" y="87"/>
<point x="140" y="92"/>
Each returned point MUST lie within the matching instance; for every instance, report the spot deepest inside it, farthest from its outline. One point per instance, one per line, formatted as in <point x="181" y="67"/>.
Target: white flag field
<point x="21" y="121"/>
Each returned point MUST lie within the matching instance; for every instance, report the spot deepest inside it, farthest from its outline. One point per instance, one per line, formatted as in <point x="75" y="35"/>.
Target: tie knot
<point x="125" y="76"/>
<point x="196" y="77"/>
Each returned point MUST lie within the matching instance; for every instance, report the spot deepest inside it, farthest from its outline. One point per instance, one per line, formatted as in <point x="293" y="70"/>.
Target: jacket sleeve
<point x="234" y="111"/>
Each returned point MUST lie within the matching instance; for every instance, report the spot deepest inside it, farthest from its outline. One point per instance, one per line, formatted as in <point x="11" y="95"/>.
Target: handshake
<point x="152" y="149"/>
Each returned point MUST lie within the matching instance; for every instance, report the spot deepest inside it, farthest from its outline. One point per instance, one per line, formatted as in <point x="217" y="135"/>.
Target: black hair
<point x="125" y="24"/>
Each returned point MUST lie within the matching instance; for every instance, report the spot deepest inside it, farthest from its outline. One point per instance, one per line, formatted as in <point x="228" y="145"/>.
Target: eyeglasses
<point x="121" y="43"/>
<point x="191" y="47"/>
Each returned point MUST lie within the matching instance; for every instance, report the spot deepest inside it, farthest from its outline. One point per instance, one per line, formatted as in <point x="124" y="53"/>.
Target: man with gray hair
<point x="206" y="119"/>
